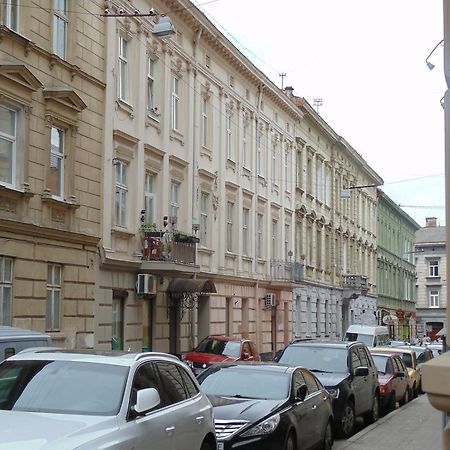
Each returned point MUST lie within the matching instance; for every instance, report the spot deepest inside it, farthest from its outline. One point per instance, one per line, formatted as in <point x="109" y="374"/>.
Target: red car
<point x="215" y="349"/>
<point x="393" y="379"/>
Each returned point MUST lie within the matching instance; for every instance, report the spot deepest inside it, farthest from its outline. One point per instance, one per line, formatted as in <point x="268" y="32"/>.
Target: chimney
<point x="431" y="222"/>
<point x="289" y="91"/>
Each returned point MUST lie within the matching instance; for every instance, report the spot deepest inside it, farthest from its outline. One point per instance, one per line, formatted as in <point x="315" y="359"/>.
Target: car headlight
<point x="189" y="363"/>
<point x="266" y="427"/>
<point x="334" y="392"/>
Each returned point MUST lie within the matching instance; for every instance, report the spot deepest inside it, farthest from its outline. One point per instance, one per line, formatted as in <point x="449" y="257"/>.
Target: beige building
<point x="51" y="120"/>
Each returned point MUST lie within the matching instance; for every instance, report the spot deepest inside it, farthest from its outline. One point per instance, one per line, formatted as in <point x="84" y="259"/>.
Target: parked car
<point x="423" y="354"/>
<point x="393" y="379"/>
<point x="214" y="349"/>
<point x="13" y="340"/>
<point x="268" y="406"/>
<point x="409" y="358"/>
<point x="88" y="400"/>
<point x="436" y="348"/>
<point x="348" y="372"/>
<point x="372" y="336"/>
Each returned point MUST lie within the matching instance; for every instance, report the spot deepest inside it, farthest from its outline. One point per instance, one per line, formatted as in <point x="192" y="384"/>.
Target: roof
<point x="394" y="350"/>
<point x="333" y="344"/>
<point x="268" y="366"/>
<point x="367" y="329"/>
<point x="224" y="338"/>
<point x="14" y="332"/>
<point x="431" y="235"/>
<point x="90" y="356"/>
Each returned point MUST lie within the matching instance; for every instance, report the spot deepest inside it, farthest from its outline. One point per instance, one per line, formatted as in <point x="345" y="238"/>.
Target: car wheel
<point x="405" y="399"/>
<point x="290" y="443"/>
<point x="392" y="403"/>
<point x="415" y="393"/>
<point x="346" y="425"/>
<point x="207" y="446"/>
<point x="328" y="438"/>
<point x="373" y="414"/>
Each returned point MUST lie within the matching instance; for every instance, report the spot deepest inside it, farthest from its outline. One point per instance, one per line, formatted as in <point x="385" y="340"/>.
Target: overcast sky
<point x="366" y="61"/>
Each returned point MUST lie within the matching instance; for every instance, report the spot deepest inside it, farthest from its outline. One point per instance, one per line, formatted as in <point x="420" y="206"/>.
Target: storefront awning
<point x="180" y="285"/>
<point x="443" y="332"/>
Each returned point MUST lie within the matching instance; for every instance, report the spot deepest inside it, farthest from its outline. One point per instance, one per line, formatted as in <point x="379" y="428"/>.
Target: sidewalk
<point x="415" y="426"/>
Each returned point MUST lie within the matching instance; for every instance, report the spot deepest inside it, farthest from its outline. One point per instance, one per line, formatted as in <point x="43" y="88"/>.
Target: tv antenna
<point x="317" y="103"/>
<point x="282" y="75"/>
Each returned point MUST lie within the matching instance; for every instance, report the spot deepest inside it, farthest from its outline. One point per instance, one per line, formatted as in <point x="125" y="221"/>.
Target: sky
<point x="366" y="60"/>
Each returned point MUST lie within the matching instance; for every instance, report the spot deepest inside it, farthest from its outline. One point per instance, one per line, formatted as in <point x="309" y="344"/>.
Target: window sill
<point x="125" y="106"/>
<point x="230" y="255"/>
<point x="231" y="164"/>
<point x="247" y="258"/>
<point x="205" y="151"/>
<point x="124" y="232"/>
<point x="25" y="192"/>
<point x="205" y="250"/>
<point x="71" y="202"/>
<point x="177" y="136"/>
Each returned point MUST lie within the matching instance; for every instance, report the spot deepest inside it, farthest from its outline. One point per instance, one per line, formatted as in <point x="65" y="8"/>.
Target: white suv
<point x="60" y="400"/>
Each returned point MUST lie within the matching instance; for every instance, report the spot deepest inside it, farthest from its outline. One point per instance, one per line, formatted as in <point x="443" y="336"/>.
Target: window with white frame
<point x="123" y="80"/>
<point x="118" y="323"/>
<point x="258" y="154"/>
<point x="327" y="185"/>
<point x="204" y="212"/>
<point x="175" y="103"/>
<point x="6" y="283"/>
<point x="274" y="162"/>
<point x="230" y="207"/>
<point x="434" y="299"/>
<point x="53" y="309"/>
<point x="11" y="14"/>
<point x="287" y="170"/>
<point x="57" y="157"/>
<point x="245" y="231"/>
<point x="259" y="235"/>
<point x="229" y="135"/>
<point x="121" y="194"/>
<point x="204" y="124"/>
<point x="244" y="143"/>
<point x="274" y="239"/>
<point x="433" y="268"/>
<point x="319" y="183"/>
<point x="8" y="146"/>
<point x="287" y="241"/>
<point x="150" y="198"/>
<point x="152" y="108"/>
<point x="174" y="201"/>
<point x="60" y="25"/>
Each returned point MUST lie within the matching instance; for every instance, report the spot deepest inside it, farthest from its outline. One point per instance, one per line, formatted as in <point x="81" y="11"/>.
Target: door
<point x="359" y="385"/>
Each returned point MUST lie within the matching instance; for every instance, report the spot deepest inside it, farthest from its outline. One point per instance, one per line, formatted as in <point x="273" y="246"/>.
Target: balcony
<point x="354" y="285"/>
<point x="169" y="247"/>
<point x="281" y="270"/>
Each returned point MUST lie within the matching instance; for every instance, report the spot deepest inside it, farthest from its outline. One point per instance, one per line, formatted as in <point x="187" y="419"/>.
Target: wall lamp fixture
<point x="431" y="65"/>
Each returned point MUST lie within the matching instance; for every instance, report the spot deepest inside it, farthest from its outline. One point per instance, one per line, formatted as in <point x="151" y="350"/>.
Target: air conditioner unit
<point x="145" y="284"/>
<point x="269" y="300"/>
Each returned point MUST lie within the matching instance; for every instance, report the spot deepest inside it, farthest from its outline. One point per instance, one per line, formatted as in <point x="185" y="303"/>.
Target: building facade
<point x="51" y="120"/>
<point x="431" y="283"/>
<point x="396" y="270"/>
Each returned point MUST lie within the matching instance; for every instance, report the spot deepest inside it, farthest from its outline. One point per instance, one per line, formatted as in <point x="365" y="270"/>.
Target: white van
<point x="372" y="336"/>
<point x="13" y="340"/>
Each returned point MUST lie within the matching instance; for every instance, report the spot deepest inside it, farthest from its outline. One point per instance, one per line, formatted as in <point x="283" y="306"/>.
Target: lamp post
<point x="430" y="65"/>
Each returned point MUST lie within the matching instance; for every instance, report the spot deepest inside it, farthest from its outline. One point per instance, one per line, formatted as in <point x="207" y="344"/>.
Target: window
<point x="60" y="23"/>
<point x="172" y="382"/>
<point x="274" y="163"/>
<point x="174" y="201"/>
<point x="258" y="154"/>
<point x="204" y="125"/>
<point x="123" y="69"/>
<point x="150" y="199"/>
<point x="8" y="156"/>
<point x="274" y="239"/>
<point x="121" y="194"/>
<point x="152" y="108"/>
<point x="56" y="181"/>
<point x="230" y="226"/>
<point x="11" y="14"/>
<point x="117" y="333"/>
<point x="244" y="143"/>
<point x="175" y="103"/>
<point x="434" y="299"/>
<point x="259" y="232"/>
<point x="287" y="241"/>
<point x="434" y="268"/>
<point x="229" y="136"/>
<point x="204" y="209"/>
<point x="245" y="231"/>
<point x="6" y="280"/>
<point x="53" y="311"/>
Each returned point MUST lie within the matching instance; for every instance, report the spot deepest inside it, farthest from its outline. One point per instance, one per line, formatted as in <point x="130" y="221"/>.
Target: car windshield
<point x="364" y="338"/>
<point x="380" y="362"/>
<point x="316" y="358"/>
<point x="245" y="382"/>
<point x="219" y="347"/>
<point x="63" y="387"/>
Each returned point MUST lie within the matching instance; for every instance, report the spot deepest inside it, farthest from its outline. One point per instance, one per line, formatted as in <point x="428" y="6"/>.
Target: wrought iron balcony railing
<point x="286" y="270"/>
<point x="169" y="246"/>
<point x="354" y="281"/>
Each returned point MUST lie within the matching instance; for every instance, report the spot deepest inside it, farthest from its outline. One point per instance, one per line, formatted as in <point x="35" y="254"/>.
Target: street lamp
<point x="431" y="65"/>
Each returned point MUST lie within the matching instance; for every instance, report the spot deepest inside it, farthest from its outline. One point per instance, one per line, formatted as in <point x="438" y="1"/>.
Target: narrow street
<point x="414" y="426"/>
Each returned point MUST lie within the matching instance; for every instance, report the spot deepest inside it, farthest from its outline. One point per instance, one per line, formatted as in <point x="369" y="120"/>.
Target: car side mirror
<point x="146" y="399"/>
<point x="400" y="374"/>
<point x="361" y="372"/>
<point x="301" y="393"/>
<point x="245" y="356"/>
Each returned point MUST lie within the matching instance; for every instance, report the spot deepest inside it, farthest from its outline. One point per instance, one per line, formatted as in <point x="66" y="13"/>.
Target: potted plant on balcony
<point x="150" y="230"/>
<point x="181" y="236"/>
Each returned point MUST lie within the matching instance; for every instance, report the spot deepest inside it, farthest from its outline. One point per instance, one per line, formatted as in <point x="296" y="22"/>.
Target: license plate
<point x="220" y="446"/>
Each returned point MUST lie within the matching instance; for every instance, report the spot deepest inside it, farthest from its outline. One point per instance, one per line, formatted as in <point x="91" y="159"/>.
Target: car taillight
<point x="383" y="389"/>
